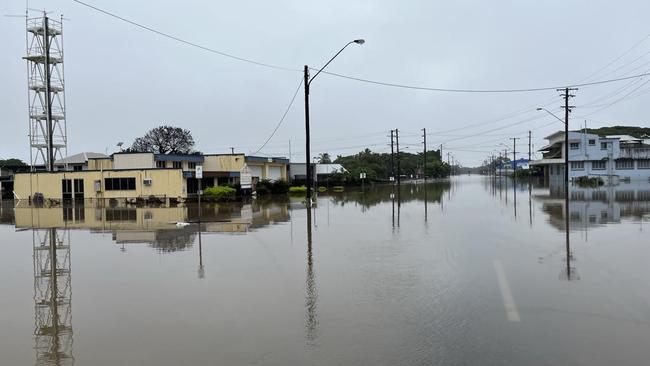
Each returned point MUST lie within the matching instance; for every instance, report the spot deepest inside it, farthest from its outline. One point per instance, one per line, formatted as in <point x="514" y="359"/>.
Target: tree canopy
<point x="164" y="140"/>
<point x="11" y="162"/>
<point x="635" y="131"/>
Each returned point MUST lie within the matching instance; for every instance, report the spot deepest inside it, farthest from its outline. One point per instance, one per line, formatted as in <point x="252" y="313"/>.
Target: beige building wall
<point x="223" y="163"/>
<point x="100" y="164"/>
<point x="165" y="183"/>
<point x="134" y="161"/>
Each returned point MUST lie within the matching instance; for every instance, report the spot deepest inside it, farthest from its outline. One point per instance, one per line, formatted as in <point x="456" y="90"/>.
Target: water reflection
<point x="166" y="229"/>
<point x="52" y="297"/>
<point x="594" y="207"/>
<point x="311" y="299"/>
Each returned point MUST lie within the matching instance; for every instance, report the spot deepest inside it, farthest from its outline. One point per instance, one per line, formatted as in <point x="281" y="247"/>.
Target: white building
<point x="612" y="158"/>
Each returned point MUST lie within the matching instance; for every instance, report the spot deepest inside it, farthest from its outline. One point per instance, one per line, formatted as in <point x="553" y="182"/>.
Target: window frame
<point x="577" y="165"/>
<point x="574" y="146"/>
<point x="603" y="162"/>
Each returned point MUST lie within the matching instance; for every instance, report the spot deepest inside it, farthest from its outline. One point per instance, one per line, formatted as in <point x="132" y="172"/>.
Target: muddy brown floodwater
<point x="470" y="271"/>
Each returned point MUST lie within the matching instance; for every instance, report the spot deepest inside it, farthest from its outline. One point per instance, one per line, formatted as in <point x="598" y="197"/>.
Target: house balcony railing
<point x="635" y="153"/>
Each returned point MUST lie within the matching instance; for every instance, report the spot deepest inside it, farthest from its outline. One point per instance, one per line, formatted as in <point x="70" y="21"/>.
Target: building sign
<point x="246" y="178"/>
<point x="198" y="172"/>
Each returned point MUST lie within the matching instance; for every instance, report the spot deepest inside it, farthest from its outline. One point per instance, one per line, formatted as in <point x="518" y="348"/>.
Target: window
<point x="643" y="164"/>
<point x="577" y="165"/>
<point x="160" y="163"/>
<point x="624" y="164"/>
<point x="177" y="165"/>
<point x="603" y="146"/>
<point x="191" y="165"/>
<point x="119" y="184"/>
<point x="77" y="168"/>
<point x="592" y="142"/>
<point x="121" y="214"/>
<point x="599" y="165"/>
<point x="574" y="145"/>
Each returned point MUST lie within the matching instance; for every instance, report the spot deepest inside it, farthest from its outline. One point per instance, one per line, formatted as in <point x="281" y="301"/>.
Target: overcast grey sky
<point x="121" y="80"/>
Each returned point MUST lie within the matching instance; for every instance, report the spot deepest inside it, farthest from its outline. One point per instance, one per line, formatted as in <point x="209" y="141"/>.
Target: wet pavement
<point x="467" y="271"/>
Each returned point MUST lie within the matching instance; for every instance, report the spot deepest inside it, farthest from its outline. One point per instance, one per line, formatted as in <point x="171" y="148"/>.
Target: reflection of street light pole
<point x="307" y="83"/>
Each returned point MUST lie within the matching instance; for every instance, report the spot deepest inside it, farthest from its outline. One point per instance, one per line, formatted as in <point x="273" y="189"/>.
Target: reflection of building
<point x="590" y="207"/>
<point x="52" y="297"/>
<point x="156" y="226"/>
<point x="619" y="156"/>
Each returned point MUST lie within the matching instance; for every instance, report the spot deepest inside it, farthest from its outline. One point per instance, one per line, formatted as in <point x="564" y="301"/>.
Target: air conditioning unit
<point x="147" y="181"/>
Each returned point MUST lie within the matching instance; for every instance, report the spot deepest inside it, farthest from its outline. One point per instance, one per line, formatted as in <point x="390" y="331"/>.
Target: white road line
<point x="508" y="300"/>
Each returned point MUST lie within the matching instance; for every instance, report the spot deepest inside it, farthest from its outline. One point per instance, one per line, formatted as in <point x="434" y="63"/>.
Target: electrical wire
<point x="281" y="119"/>
<point x="178" y="39"/>
<point x="375" y="82"/>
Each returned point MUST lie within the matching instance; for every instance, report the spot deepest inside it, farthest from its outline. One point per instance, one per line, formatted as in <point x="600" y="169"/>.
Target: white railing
<point x="635" y="153"/>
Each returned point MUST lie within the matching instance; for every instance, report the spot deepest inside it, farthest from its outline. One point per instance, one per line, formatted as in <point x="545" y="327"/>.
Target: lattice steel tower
<point x="47" y="126"/>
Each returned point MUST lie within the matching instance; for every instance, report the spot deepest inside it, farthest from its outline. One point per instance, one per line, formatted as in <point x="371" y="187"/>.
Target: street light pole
<point x="307" y="81"/>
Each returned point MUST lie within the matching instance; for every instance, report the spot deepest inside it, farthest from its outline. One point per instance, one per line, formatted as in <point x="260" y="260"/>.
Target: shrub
<point x="268" y="187"/>
<point x="338" y="189"/>
<point x="298" y="189"/>
<point x="322" y="189"/>
<point x="220" y="193"/>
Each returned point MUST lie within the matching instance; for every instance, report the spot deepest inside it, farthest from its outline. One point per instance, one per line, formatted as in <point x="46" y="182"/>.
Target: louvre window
<point x="599" y="165"/>
<point x="625" y="164"/>
<point x="603" y="146"/>
<point x="574" y="145"/>
<point x="592" y="142"/>
<point x="177" y="164"/>
<point x="643" y="164"/>
<point x="160" y="163"/>
<point x="577" y="165"/>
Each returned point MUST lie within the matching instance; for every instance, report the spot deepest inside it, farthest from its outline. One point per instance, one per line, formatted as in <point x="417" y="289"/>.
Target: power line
<point x="375" y="82"/>
<point x="546" y="88"/>
<point x="181" y="40"/>
<point x="281" y="119"/>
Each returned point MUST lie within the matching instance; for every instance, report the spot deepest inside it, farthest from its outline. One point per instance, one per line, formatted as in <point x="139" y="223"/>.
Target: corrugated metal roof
<point x="80" y="158"/>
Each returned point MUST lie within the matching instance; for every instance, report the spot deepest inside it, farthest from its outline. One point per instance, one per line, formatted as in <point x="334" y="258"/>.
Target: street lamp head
<point x="359" y="41"/>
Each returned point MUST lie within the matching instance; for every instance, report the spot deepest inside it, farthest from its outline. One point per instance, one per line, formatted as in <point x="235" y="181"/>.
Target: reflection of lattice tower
<point x="47" y="126"/>
<point x="52" y="298"/>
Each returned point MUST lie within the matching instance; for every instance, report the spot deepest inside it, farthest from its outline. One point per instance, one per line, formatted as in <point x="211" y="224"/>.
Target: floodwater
<point x="471" y="271"/>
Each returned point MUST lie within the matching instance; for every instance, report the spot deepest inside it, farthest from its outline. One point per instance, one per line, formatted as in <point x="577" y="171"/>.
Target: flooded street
<point x="467" y="271"/>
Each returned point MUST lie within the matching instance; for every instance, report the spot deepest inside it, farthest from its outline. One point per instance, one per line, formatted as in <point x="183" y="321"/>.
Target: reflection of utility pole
<point x="52" y="298"/>
<point x="311" y="300"/>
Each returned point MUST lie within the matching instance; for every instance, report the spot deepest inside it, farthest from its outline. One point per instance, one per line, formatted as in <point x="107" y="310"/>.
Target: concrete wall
<point x="167" y="183"/>
<point x="134" y="161"/>
<point x="272" y="171"/>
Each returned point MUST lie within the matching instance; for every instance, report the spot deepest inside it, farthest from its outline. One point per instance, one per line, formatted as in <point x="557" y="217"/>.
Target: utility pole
<point x="567" y="109"/>
<point x="307" y="152"/>
<point x="232" y="150"/>
<point x="514" y="156"/>
<point x="529" y="145"/>
<point x="424" y="165"/>
<point x="392" y="157"/>
<point x="399" y="171"/>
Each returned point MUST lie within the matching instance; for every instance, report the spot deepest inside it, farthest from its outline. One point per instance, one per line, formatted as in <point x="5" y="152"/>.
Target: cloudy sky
<point x="122" y="80"/>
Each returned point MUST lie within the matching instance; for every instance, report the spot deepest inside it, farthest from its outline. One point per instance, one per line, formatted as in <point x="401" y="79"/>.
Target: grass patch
<point x="220" y="193"/>
<point x="298" y="189"/>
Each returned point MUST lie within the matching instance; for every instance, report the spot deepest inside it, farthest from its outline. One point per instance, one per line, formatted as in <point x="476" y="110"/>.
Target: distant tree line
<point x="377" y="166"/>
<point x="635" y="131"/>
